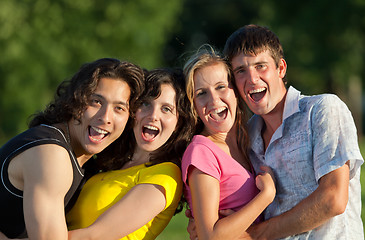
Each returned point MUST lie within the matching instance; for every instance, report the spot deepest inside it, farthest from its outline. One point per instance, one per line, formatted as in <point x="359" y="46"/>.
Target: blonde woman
<point x="216" y="169"/>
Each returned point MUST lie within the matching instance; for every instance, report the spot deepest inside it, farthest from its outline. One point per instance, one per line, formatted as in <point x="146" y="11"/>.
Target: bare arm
<point x="328" y="200"/>
<point x="3" y="237"/>
<point x="47" y="175"/>
<point x="141" y="204"/>
<point x="205" y="200"/>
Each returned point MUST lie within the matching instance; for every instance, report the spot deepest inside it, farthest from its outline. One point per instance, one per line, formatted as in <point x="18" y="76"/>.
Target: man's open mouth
<point x="257" y="94"/>
<point x="97" y="134"/>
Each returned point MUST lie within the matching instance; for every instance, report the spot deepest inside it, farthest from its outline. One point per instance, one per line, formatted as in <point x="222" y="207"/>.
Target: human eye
<point x="145" y="104"/>
<point x="122" y="108"/>
<point x="261" y="66"/>
<point x="221" y="86"/>
<point x="239" y="70"/>
<point x="166" y="109"/>
<point x="95" y="102"/>
<point x="200" y="93"/>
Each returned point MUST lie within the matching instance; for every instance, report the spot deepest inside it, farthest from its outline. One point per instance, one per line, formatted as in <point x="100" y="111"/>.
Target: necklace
<point x="68" y="134"/>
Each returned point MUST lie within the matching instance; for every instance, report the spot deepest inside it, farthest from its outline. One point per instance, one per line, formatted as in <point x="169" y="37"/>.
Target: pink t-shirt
<point x="237" y="185"/>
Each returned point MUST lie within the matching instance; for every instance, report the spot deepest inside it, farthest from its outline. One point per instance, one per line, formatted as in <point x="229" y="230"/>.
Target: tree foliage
<point x="43" y="42"/>
<point x="323" y="40"/>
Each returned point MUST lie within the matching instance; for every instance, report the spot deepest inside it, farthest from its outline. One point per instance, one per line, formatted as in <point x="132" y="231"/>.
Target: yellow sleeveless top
<point x="103" y="190"/>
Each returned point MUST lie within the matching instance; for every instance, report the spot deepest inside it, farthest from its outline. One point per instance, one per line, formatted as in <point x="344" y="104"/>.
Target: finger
<point x="188" y="213"/>
<point x="226" y="212"/>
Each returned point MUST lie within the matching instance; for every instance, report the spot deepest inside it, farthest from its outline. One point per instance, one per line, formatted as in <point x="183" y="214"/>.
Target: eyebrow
<point x="172" y="105"/>
<point x="115" y="102"/>
<point x="253" y="64"/>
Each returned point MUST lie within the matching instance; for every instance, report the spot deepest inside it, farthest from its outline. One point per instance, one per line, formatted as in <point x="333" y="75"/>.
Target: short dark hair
<point x="252" y="40"/>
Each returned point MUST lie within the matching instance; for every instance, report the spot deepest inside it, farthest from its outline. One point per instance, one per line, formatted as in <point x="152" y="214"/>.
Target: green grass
<point x="362" y="180"/>
<point x="176" y="229"/>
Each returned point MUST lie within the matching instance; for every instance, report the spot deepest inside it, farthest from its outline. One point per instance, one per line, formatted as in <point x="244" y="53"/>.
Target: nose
<point x="106" y="114"/>
<point x="214" y="97"/>
<point x="252" y="75"/>
<point x="153" y="113"/>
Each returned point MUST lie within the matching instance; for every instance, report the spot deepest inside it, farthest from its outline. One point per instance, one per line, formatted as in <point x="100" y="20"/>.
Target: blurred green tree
<point x="323" y="40"/>
<point x="43" y="42"/>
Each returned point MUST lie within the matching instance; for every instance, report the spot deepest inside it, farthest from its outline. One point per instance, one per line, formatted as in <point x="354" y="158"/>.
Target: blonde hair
<point x="205" y="56"/>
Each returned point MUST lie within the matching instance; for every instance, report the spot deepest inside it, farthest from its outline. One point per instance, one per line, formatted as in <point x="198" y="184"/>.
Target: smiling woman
<point x="156" y="120"/>
<point x="138" y="192"/>
<point x="216" y="169"/>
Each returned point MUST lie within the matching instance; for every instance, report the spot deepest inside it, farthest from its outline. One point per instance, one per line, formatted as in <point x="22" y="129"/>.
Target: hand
<point x="225" y="212"/>
<point x="265" y="182"/>
<point x="268" y="170"/>
<point x="191" y="225"/>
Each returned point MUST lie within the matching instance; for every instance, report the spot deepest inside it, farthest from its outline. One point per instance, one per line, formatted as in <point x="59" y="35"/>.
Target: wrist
<point x="269" y="194"/>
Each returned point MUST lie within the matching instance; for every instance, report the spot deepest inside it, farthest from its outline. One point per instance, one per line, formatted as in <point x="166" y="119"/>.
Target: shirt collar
<point x="291" y="105"/>
<point x="256" y="122"/>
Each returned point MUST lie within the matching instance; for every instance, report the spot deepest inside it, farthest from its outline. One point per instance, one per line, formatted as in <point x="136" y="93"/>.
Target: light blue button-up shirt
<point x="317" y="136"/>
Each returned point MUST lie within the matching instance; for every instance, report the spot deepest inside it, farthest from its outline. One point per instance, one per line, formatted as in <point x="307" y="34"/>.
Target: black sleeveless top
<point x="11" y="199"/>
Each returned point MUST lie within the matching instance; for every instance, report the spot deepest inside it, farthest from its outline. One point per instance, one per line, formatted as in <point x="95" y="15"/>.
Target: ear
<point x="282" y="68"/>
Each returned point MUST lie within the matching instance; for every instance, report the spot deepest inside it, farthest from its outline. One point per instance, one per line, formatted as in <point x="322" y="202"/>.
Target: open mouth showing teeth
<point x="257" y="94"/>
<point x="219" y="114"/>
<point x="150" y="132"/>
<point x="97" y="134"/>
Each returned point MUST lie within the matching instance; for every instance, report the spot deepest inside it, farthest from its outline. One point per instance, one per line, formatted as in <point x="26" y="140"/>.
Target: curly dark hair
<point x="72" y="96"/>
<point x="173" y="149"/>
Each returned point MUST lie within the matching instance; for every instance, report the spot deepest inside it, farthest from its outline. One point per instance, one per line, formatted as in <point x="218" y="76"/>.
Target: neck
<point x="228" y="138"/>
<point x="139" y="157"/>
<point x="272" y="121"/>
<point x="81" y="158"/>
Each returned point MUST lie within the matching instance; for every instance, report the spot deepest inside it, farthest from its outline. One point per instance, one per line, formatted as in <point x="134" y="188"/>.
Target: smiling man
<point x="310" y="142"/>
<point x="41" y="168"/>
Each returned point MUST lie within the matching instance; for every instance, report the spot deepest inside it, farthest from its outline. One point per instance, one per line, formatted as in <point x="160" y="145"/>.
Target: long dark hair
<point x="72" y="96"/>
<point x="173" y="149"/>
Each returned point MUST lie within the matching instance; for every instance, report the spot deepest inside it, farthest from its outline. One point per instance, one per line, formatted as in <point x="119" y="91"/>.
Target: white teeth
<point x="151" y="127"/>
<point x="218" y="110"/>
<point x="257" y="90"/>
<point x="98" y="130"/>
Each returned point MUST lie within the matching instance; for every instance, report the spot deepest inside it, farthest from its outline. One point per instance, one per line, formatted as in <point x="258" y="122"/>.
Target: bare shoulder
<point x="48" y="163"/>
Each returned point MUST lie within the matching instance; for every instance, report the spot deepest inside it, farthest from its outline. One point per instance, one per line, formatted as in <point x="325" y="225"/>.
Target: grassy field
<point x="176" y="230"/>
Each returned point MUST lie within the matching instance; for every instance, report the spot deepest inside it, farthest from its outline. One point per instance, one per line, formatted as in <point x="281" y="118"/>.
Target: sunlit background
<point x="43" y="42"/>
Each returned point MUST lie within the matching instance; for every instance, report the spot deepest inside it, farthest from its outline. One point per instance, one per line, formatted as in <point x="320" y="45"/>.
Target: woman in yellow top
<point x="136" y="195"/>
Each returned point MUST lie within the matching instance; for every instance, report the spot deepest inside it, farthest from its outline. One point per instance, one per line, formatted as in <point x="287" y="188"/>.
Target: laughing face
<point x="104" y="119"/>
<point x="259" y="81"/>
<point x="156" y="120"/>
<point x="214" y="98"/>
